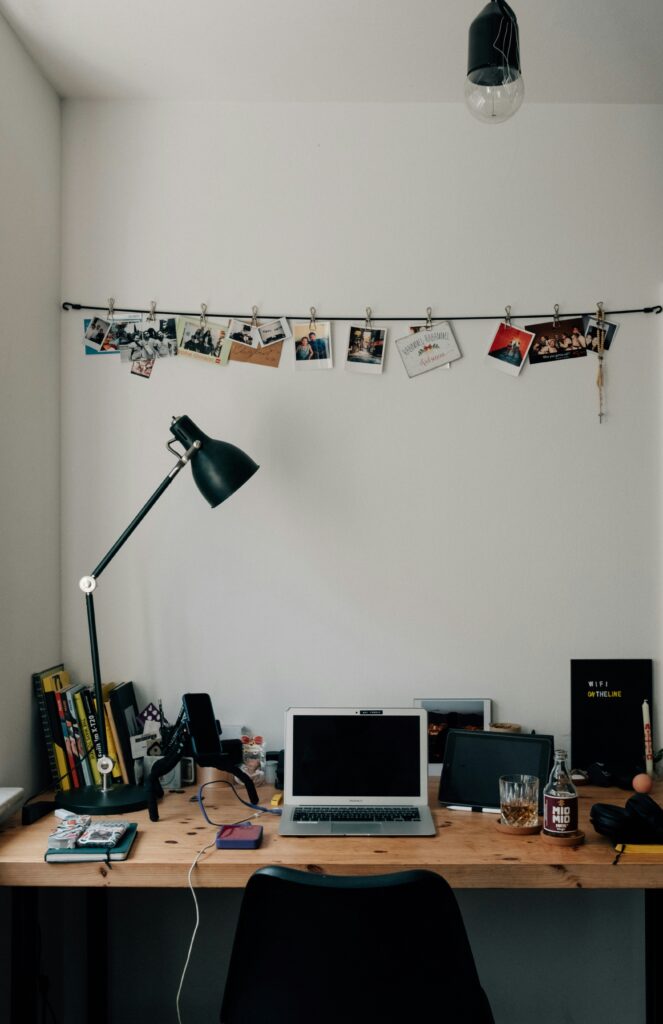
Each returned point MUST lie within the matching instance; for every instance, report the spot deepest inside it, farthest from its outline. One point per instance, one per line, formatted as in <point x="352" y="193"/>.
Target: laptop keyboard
<point x="316" y="814"/>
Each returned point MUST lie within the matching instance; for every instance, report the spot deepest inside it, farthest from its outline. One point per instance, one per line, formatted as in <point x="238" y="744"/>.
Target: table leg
<point x="24" y="995"/>
<point x="96" y="907"/>
<point x="653" y="953"/>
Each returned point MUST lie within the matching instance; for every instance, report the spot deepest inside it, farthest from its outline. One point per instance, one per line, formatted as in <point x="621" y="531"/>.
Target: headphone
<point x="639" y="821"/>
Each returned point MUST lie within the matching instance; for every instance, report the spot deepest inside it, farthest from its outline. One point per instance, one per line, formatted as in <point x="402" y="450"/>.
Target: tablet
<point x="474" y="761"/>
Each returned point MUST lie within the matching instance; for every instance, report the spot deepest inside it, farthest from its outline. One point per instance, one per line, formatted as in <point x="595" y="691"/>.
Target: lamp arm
<point x="151" y="501"/>
<point x="88" y="585"/>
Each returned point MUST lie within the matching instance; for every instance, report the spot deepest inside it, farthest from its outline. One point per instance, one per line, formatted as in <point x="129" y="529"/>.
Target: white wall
<point x="461" y="533"/>
<point x="29" y="400"/>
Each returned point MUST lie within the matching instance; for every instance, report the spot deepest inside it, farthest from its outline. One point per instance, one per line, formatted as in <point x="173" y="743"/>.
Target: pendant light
<point x="494" y="86"/>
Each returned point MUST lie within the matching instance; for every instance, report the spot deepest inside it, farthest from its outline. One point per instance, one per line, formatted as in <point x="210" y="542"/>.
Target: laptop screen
<point x="356" y="754"/>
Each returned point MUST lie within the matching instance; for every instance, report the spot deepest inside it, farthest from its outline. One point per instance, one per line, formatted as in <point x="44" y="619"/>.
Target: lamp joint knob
<point x="88" y="584"/>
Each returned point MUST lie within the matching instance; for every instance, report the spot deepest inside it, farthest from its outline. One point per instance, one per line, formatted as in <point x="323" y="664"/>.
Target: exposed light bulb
<point x="494" y="103"/>
<point x="494" y="87"/>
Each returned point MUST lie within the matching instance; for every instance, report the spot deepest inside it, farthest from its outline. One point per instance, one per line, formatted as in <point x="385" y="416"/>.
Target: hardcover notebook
<point x="474" y="761"/>
<point x="356" y="771"/>
<point x="80" y="853"/>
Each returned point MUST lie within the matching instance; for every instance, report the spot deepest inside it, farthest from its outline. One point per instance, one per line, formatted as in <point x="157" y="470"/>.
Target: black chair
<point x="326" y="949"/>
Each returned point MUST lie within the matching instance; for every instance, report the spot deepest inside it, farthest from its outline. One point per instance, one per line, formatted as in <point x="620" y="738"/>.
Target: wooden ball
<point x="642" y="783"/>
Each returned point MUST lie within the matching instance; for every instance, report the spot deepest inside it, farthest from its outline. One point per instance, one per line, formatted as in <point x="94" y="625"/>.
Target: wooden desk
<point x="467" y="850"/>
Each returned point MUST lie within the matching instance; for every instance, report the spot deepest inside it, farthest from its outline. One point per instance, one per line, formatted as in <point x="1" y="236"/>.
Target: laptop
<point x="474" y="761"/>
<point x="356" y="772"/>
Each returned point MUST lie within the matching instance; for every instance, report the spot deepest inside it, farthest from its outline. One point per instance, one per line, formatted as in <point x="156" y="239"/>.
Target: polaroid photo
<point x="428" y="348"/>
<point x="243" y="333"/>
<point x="591" y="332"/>
<point x="509" y="348"/>
<point x="96" y="332"/>
<point x="472" y="713"/>
<point x="564" y="339"/>
<point x="206" y="341"/>
<point x="143" y="367"/>
<point x="313" y="349"/>
<point x="275" y="330"/>
<point x="366" y="349"/>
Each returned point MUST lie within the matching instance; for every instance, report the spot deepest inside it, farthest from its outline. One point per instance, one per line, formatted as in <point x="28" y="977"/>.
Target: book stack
<point x="70" y="723"/>
<point x="78" y="838"/>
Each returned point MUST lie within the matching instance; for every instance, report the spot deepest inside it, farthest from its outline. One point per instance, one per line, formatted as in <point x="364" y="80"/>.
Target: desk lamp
<point x="218" y="469"/>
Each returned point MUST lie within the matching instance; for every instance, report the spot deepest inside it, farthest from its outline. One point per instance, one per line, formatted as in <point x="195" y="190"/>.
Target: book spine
<point x="46" y="727"/>
<point x="82" y="767"/>
<point x="68" y="739"/>
<point x="87" y="698"/>
<point x="58" y="740"/>
<point x="112" y="742"/>
<point x="88" y="753"/>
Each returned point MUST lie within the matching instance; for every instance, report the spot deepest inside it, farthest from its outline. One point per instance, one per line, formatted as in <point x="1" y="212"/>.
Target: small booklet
<point x="65" y="835"/>
<point x="102" y="833"/>
<point x="104" y="853"/>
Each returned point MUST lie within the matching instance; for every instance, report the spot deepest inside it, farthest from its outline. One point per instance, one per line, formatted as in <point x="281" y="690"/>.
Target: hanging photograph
<point x="243" y="333"/>
<point x="555" y="340"/>
<point x="591" y="331"/>
<point x="428" y="348"/>
<point x="143" y="367"/>
<point x="204" y="340"/>
<point x="509" y="348"/>
<point x="146" y="339"/>
<point x="117" y="332"/>
<point x="275" y="330"/>
<point x="313" y="349"/>
<point x="366" y="348"/>
<point x="96" y="332"/>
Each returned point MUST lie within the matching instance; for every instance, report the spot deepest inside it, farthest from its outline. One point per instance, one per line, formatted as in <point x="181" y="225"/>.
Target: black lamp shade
<point x="493" y="50"/>
<point x="219" y="469"/>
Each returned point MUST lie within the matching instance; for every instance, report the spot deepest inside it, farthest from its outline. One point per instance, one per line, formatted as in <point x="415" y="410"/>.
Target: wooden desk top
<point x="468" y="851"/>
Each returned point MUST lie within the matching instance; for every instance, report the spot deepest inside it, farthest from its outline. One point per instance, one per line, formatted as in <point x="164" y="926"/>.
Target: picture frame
<point x="446" y="713"/>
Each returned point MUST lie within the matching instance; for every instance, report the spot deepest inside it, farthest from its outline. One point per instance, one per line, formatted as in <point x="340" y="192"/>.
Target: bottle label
<point x="560" y="815"/>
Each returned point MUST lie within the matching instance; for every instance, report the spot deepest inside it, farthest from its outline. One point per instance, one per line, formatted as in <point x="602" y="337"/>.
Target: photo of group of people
<point x="557" y="339"/>
<point x="590" y="327"/>
<point x="204" y="340"/>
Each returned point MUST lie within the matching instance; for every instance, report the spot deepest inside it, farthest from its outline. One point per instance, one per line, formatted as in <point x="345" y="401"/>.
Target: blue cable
<point x="254" y="807"/>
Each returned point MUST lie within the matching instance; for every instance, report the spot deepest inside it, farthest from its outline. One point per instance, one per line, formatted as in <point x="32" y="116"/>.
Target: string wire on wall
<point x="142" y="337"/>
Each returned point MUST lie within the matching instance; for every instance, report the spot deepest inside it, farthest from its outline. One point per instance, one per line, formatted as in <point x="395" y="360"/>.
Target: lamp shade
<point x="219" y="469"/>
<point x="494" y="87"/>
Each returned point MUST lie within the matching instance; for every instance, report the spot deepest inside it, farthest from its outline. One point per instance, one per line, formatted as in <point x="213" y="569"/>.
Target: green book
<point x="104" y="853"/>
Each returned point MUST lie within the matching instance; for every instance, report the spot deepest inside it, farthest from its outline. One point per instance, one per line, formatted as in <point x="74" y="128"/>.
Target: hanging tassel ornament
<point x="600" y="379"/>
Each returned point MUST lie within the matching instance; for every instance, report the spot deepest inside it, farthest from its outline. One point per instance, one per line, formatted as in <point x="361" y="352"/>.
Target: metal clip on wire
<point x="429" y="321"/>
<point x="368" y="326"/>
<point x="152" y="313"/>
<point x="507" y="315"/>
<point x="556" y="315"/>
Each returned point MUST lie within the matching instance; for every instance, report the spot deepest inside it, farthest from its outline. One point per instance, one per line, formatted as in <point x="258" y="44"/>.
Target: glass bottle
<point x="560" y="800"/>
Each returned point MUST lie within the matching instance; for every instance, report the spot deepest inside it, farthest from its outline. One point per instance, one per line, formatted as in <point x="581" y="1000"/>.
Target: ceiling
<point x="590" y="51"/>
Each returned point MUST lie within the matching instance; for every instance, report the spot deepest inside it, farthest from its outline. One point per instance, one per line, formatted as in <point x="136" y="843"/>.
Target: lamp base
<point x="119" y="799"/>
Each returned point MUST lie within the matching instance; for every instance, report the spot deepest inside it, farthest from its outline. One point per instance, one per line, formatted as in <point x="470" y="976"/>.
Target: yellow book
<point x="87" y="737"/>
<point x="110" y="739"/>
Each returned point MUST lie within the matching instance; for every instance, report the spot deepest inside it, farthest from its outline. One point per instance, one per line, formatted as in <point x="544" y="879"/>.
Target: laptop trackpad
<point x="359" y="828"/>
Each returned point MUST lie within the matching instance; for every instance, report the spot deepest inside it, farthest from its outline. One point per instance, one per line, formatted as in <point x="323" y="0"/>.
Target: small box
<point x="239" y="837"/>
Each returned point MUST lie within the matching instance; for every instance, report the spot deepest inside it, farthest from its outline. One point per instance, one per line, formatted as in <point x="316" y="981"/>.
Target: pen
<point x="482" y="810"/>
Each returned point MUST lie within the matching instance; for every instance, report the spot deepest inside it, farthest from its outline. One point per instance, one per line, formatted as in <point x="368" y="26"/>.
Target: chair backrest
<point x="317" y="949"/>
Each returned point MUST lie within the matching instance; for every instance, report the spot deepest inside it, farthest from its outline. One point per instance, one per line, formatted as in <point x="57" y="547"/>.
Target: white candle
<point x="649" y="750"/>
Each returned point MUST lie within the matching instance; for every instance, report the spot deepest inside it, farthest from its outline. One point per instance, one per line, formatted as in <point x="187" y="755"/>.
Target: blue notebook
<point x="80" y="853"/>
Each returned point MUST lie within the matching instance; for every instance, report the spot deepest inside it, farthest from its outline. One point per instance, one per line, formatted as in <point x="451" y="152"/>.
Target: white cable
<point x="193" y="937"/>
<point x="195" y="901"/>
